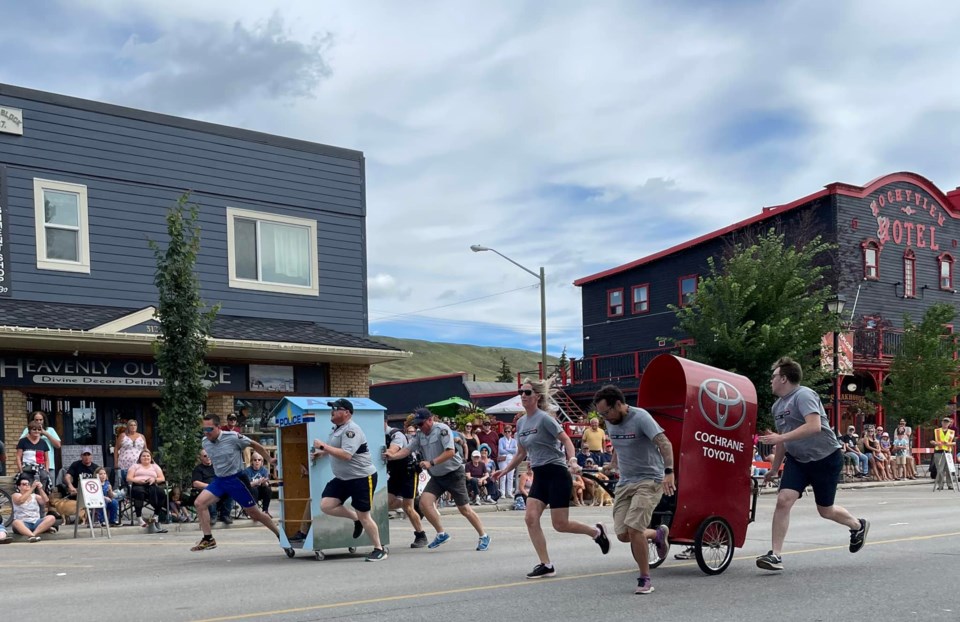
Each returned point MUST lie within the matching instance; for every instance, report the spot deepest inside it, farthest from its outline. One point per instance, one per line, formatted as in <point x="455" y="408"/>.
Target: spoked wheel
<point x="654" y="557"/>
<point x="713" y="545"/>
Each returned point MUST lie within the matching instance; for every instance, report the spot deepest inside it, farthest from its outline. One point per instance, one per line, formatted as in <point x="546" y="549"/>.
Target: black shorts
<point x="402" y="482"/>
<point x="552" y="484"/>
<point x="455" y="483"/>
<point x="360" y="490"/>
<point x="821" y="474"/>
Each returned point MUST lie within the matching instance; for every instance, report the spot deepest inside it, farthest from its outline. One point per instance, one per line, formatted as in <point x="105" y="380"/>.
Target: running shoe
<point x="644" y="586"/>
<point x="377" y="555"/>
<point x="540" y="571"/>
<point x="298" y="537"/>
<point x="859" y="536"/>
<point x="33" y="539"/>
<point x="205" y="544"/>
<point x="662" y="541"/>
<point x="357" y="529"/>
<point x="419" y="541"/>
<point x="484" y="543"/>
<point x="687" y="553"/>
<point x="602" y="541"/>
<point x="770" y="562"/>
<point x="440" y="539"/>
<point x="6" y="539"/>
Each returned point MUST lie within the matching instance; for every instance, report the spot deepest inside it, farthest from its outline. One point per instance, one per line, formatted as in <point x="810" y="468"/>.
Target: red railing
<point x="613" y="367"/>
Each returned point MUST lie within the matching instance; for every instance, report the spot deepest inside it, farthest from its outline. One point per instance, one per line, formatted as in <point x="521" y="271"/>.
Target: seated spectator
<point x="202" y="476"/>
<point x="178" y="512"/>
<point x="576" y="494"/>
<point x="493" y="488"/>
<point x="145" y="478"/>
<point x="583" y="455"/>
<point x="82" y="468"/>
<point x="607" y="454"/>
<point x="4" y="538"/>
<point x="590" y="466"/>
<point x="259" y="481"/>
<point x="851" y="450"/>
<point x="109" y="499"/>
<point x="477" y="478"/>
<point x="524" y="482"/>
<point x="871" y="446"/>
<point x="26" y="509"/>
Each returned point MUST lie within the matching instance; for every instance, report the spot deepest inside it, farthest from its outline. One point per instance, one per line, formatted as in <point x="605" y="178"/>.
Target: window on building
<point x="267" y="252"/>
<point x="614" y="302"/>
<point x="640" y="298"/>
<point x="945" y="262"/>
<point x="909" y="275"/>
<point x="62" y="230"/>
<point x="871" y="260"/>
<point x="688" y="287"/>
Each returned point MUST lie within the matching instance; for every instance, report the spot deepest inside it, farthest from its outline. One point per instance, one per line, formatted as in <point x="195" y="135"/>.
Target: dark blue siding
<point x="135" y="165"/>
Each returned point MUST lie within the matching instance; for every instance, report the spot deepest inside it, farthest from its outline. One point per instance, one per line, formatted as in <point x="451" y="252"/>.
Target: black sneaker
<point x="540" y="571"/>
<point x="859" y="536"/>
<point x="420" y="540"/>
<point x="770" y="562"/>
<point x="376" y="555"/>
<point x="687" y="553"/>
<point x="357" y="529"/>
<point x="602" y="541"/>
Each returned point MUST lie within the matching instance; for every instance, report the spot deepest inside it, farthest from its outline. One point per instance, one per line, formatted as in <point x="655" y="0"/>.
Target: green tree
<point x="922" y="373"/>
<point x="181" y="348"/>
<point x="564" y="363"/>
<point x="764" y="301"/>
<point x="505" y="374"/>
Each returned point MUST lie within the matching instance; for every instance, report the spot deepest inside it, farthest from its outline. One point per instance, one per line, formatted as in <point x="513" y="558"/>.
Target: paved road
<point x="914" y="545"/>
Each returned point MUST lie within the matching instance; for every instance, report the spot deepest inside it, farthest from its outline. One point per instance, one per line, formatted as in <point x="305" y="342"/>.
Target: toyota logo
<point x="721" y="404"/>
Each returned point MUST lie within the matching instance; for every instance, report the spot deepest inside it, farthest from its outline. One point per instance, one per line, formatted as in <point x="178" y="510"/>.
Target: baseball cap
<point x="420" y="415"/>
<point x="341" y="403"/>
<point x="232" y="417"/>
<point x="86" y="450"/>
<point x="588" y="461"/>
<point x="475" y="454"/>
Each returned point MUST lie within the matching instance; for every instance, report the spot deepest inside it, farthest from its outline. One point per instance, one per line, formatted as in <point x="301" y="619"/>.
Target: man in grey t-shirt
<point x="434" y="442"/>
<point x="644" y="456"/>
<point x="811" y="455"/>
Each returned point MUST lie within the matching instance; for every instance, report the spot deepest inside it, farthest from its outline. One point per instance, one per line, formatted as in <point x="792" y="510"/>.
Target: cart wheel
<point x="713" y="545"/>
<point x="654" y="558"/>
<point x="351" y="549"/>
<point x="319" y="556"/>
<point x="290" y="552"/>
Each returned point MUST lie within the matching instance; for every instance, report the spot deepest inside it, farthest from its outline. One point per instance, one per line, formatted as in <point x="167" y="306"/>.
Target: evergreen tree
<point x="922" y="374"/>
<point x="181" y="347"/>
<point x="505" y="374"/>
<point x="563" y="364"/>
<point x="764" y="301"/>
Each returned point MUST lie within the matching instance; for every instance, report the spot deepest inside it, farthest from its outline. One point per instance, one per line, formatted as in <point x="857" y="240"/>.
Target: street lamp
<point x="835" y="306"/>
<point x="477" y="248"/>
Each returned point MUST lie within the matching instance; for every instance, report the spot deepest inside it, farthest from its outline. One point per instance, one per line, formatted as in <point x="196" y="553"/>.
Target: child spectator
<point x="109" y="499"/>
<point x="178" y="513"/>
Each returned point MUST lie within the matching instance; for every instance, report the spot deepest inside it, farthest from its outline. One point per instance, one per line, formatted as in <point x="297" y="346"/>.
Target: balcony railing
<point x="613" y="367"/>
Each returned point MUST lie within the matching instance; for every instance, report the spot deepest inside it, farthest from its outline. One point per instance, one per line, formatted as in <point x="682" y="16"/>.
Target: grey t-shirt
<point x="637" y="457"/>
<point x="350" y="438"/>
<point x="789" y="413"/>
<point x="537" y="434"/>
<point x="432" y="445"/>
<point x="226" y="453"/>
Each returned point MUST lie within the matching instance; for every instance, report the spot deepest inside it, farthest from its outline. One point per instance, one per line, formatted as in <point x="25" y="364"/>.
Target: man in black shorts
<point x="813" y="457"/>
<point x="402" y="481"/>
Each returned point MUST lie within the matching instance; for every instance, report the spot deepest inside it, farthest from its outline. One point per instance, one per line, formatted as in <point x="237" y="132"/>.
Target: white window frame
<point x="83" y="238"/>
<point x="264" y="286"/>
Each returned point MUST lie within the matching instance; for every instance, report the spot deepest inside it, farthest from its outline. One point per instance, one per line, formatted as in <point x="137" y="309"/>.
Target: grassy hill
<point x="435" y="359"/>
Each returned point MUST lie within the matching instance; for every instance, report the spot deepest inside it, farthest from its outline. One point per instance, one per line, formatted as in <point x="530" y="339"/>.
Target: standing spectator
<point x="84" y="467"/>
<point x="232" y="424"/>
<point x="593" y="438"/>
<point x="943" y="442"/>
<point x="26" y="509"/>
<point x="109" y="499"/>
<point x="901" y="447"/>
<point x="50" y="439"/>
<point x="145" y="478"/>
<point x="487" y="435"/>
<point x="506" y="450"/>
<point x="812" y="454"/>
<point x="127" y="449"/>
<point x="851" y="449"/>
<point x="911" y="464"/>
<point x="470" y="438"/>
<point x="259" y="479"/>
<point x="33" y="451"/>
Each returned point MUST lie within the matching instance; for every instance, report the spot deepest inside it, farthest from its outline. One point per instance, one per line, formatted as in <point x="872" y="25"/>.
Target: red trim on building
<point x="909" y="268"/>
<point x="623" y="302"/>
<point x="680" y="280"/>
<point x="950" y="202"/>
<point x="633" y="300"/>
<point x="945" y="258"/>
<point x="874" y="245"/>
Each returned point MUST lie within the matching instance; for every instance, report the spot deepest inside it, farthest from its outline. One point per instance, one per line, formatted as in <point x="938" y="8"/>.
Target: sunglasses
<point x="207" y="429"/>
<point x="526" y="392"/>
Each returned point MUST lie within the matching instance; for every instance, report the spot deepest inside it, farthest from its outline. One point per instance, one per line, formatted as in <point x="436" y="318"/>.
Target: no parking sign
<point x="92" y="493"/>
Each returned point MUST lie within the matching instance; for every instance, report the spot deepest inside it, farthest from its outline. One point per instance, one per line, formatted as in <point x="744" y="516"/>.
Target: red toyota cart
<point x="709" y="415"/>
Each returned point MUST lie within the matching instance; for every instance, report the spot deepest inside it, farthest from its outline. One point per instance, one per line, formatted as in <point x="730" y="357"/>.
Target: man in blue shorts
<point x="226" y="453"/>
<point x="813" y="458"/>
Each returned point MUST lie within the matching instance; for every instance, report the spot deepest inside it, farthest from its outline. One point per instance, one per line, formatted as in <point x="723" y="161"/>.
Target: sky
<point x="576" y="136"/>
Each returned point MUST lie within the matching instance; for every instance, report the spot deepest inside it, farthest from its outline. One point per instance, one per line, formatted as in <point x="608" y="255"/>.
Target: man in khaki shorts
<point x="644" y="456"/>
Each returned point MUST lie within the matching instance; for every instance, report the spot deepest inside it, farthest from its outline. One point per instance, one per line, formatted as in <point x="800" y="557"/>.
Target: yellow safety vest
<point x="942" y="438"/>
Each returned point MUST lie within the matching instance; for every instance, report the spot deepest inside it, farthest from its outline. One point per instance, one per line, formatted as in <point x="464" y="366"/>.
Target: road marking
<point x="484" y="588"/>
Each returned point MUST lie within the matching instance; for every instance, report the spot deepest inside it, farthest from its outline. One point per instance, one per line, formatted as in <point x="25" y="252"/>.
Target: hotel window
<point x="272" y="253"/>
<point x="946" y="271"/>
<point x="688" y="288"/>
<point x="871" y="260"/>
<point x="909" y="275"/>
<point x="62" y="229"/>
<point x="640" y="295"/>
<point x="614" y="302"/>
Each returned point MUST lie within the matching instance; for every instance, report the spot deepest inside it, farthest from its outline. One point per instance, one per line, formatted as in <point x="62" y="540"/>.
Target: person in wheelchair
<point x="33" y="456"/>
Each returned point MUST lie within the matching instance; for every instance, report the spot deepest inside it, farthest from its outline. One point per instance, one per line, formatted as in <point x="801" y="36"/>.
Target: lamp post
<point x="477" y="248"/>
<point x="835" y="306"/>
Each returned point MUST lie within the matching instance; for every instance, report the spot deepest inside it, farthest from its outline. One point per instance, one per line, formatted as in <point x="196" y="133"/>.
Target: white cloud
<point x="577" y="136"/>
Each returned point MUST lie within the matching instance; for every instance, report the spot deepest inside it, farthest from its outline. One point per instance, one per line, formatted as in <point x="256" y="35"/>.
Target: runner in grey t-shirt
<point x="637" y="456"/>
<point x="537" y="434"/>
<point x="350" y="438"/>
<point x="811" y="455"/>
